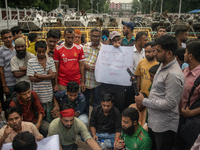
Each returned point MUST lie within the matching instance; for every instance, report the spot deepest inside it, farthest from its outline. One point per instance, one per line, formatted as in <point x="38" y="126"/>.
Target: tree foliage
<point x="171" y="6"/>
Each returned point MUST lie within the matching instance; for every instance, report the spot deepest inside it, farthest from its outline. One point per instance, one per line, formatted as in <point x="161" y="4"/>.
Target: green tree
<point x="136" y="6"/>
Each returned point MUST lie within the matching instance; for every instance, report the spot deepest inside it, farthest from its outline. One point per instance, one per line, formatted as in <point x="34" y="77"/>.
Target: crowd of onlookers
<point x="48" y="88"/>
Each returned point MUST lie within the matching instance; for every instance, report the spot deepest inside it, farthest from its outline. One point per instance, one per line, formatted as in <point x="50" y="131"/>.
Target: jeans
<point x="84" y="119"/>
<point x="96" y="97"/>
<point x="109" y="139"/>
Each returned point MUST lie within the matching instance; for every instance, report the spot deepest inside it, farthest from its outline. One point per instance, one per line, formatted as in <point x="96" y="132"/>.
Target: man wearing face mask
<point x="20" y="60"/>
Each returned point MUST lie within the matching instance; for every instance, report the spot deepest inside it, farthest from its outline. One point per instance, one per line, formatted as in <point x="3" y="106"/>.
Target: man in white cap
<point x="20" y="60"/>
<point x="115" y="39"/>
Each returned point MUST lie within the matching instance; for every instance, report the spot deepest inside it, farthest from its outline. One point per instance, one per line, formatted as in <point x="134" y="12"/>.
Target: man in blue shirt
<point x="76" y="99"/>
<point x="129" y="40"/>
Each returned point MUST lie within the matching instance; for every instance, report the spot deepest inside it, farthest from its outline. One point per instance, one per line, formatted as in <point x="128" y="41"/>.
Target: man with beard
<point x="133" y="137"/>
<point x="19" y="62"/>
<point x="129" y="39"/>
<point x="181" y="34"/>
<point x="16" y="125"/>
<point x="67" y="127"/>
<point x="91" y="51"/>
<point x="142" y="71"/>
<point x="105" y="121"/>
<point x="165" y="95"/>
<point x="41" y="70"/>
<point x="69" y="60"/>
<point x="31" y="107"/>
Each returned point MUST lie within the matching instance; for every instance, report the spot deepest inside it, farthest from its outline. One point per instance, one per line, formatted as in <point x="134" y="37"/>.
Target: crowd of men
<point x="50" y="86"/>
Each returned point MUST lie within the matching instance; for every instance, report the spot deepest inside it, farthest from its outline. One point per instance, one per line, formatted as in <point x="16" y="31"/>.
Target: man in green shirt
<point x="133" y="136"/>
<point x="129" y="39"/>
<point x="67" y="127"/>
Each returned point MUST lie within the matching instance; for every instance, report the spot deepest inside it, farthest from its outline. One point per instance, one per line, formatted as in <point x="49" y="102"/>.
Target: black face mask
<point x="21" y="54"/>
<point x="130" y="131"/>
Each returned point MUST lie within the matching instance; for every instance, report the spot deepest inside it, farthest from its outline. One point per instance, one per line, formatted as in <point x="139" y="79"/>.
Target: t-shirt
<point x="79" y="103"/>
<point x="68" y="58"/>
<point x="68" y="137"/>
<point x="26" y="126"/>
<point x="140" y="140"/>
<point x="143" y="71"/>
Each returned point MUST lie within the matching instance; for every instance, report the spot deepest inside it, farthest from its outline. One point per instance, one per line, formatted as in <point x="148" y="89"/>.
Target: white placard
<point x="49" y="143"/>
<point x="112" y="63"/>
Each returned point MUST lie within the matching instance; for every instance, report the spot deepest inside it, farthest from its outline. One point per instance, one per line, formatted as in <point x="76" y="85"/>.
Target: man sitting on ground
<point x="73" y="97"/>
<point x="24" y="141"/>
<point x="29" y="102"/>
<point x="133" y="135"/>
<point x="16" y="125"/>
<point x="105" y="122"/>
<point x="67" y="126"/>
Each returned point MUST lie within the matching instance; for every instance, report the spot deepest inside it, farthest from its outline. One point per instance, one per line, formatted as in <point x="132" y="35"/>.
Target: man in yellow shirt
<point x="142" y="71"/>
<point x="32" y="37"/>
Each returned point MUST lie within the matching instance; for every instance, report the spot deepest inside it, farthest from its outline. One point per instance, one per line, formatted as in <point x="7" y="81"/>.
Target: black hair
<point x="24" y="141"/>
<point x="147" y="44"/>
<point x="82" y="38"/>
<point x="154" y="69"/>
<point x="140" y="34"/>
<point x="193" y="48"/>
<point x="198" y="37"/>
<point x="40" y="44"/>
<point x="180" y="53"/>
<point x="64" y="107"/>
<point x="106" y="97"/>
<point x="72" y="86"/>
<point x="54" y="33"/>
<point x="69" y="30"/>
<point x="32" y="36"/>
<point x="167" y="43"/>
<point x="22" y="86"/>
<point x="153" y="44"/>
<point x="11" y="110"/>
<point x="161" y="27"/>
<point x="105" y="32"/>
<point x="132" y="113"/>
<point x="15" y="29"/>
<point x="180" y="30"/>
<point x="5" y="31"/>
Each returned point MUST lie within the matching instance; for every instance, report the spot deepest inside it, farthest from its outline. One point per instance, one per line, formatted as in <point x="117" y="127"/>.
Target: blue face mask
<point x="104" y="38"/>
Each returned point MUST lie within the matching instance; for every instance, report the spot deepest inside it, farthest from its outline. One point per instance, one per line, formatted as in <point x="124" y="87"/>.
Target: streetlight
<point x="97" y="6"/>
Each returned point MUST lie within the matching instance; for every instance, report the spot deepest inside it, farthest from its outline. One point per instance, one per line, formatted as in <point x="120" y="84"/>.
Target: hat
<point x="19" y="41"/>
<point x="113" y="34"/>
<point x="129" y="24"/>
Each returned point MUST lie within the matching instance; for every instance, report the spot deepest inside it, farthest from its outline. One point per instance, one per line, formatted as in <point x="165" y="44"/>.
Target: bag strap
<point x="196" y="83"/>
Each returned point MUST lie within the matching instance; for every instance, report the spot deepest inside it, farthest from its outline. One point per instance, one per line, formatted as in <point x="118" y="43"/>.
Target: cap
<point x="129" y="24"/>
<point x="113" y="34"/>
<point x="19" y="41"/>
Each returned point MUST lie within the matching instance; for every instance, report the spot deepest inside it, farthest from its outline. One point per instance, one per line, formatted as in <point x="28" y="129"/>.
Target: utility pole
<point x="179" y="15"/>
<point x="91" y="6"/>
<point x="161" y="6"/>
<point x="78" y="6"/>
<point x="7" y="13"/>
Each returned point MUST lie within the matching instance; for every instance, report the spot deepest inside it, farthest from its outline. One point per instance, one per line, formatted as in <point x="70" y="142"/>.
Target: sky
<point x="122" y="1"/>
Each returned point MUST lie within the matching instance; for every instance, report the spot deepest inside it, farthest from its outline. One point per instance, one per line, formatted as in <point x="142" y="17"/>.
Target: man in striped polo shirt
<point x="7" y="51"/>
<point x="41" y="70"/>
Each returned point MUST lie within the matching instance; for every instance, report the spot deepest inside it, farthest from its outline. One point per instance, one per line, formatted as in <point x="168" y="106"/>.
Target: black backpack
<point x="189" y="128"/>
<point x="14" y="98"/>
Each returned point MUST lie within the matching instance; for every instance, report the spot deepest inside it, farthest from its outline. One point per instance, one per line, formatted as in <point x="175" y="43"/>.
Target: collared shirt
<point x="31" y="48"/>
<point x="68" y="137"/>
<point x="91" y="55"/>
<point x="26" y="126"/>
<point x="44" y="88"/>
<point x="16" y="63"/>
<point x="140" y="140"/>
<point x="126" y="42"/>
<point x="105" y="124"/>
<point x="164" y="97"/>
<point x="137" y="57"/>
<point x="190" y="77"/>
<point x="79" y="103"/>
<point x="5" y="56"/>
<point x="28" y="112"/>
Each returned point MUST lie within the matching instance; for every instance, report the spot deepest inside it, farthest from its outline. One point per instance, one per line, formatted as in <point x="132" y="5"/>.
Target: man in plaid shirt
<point x="91" y="51"/>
